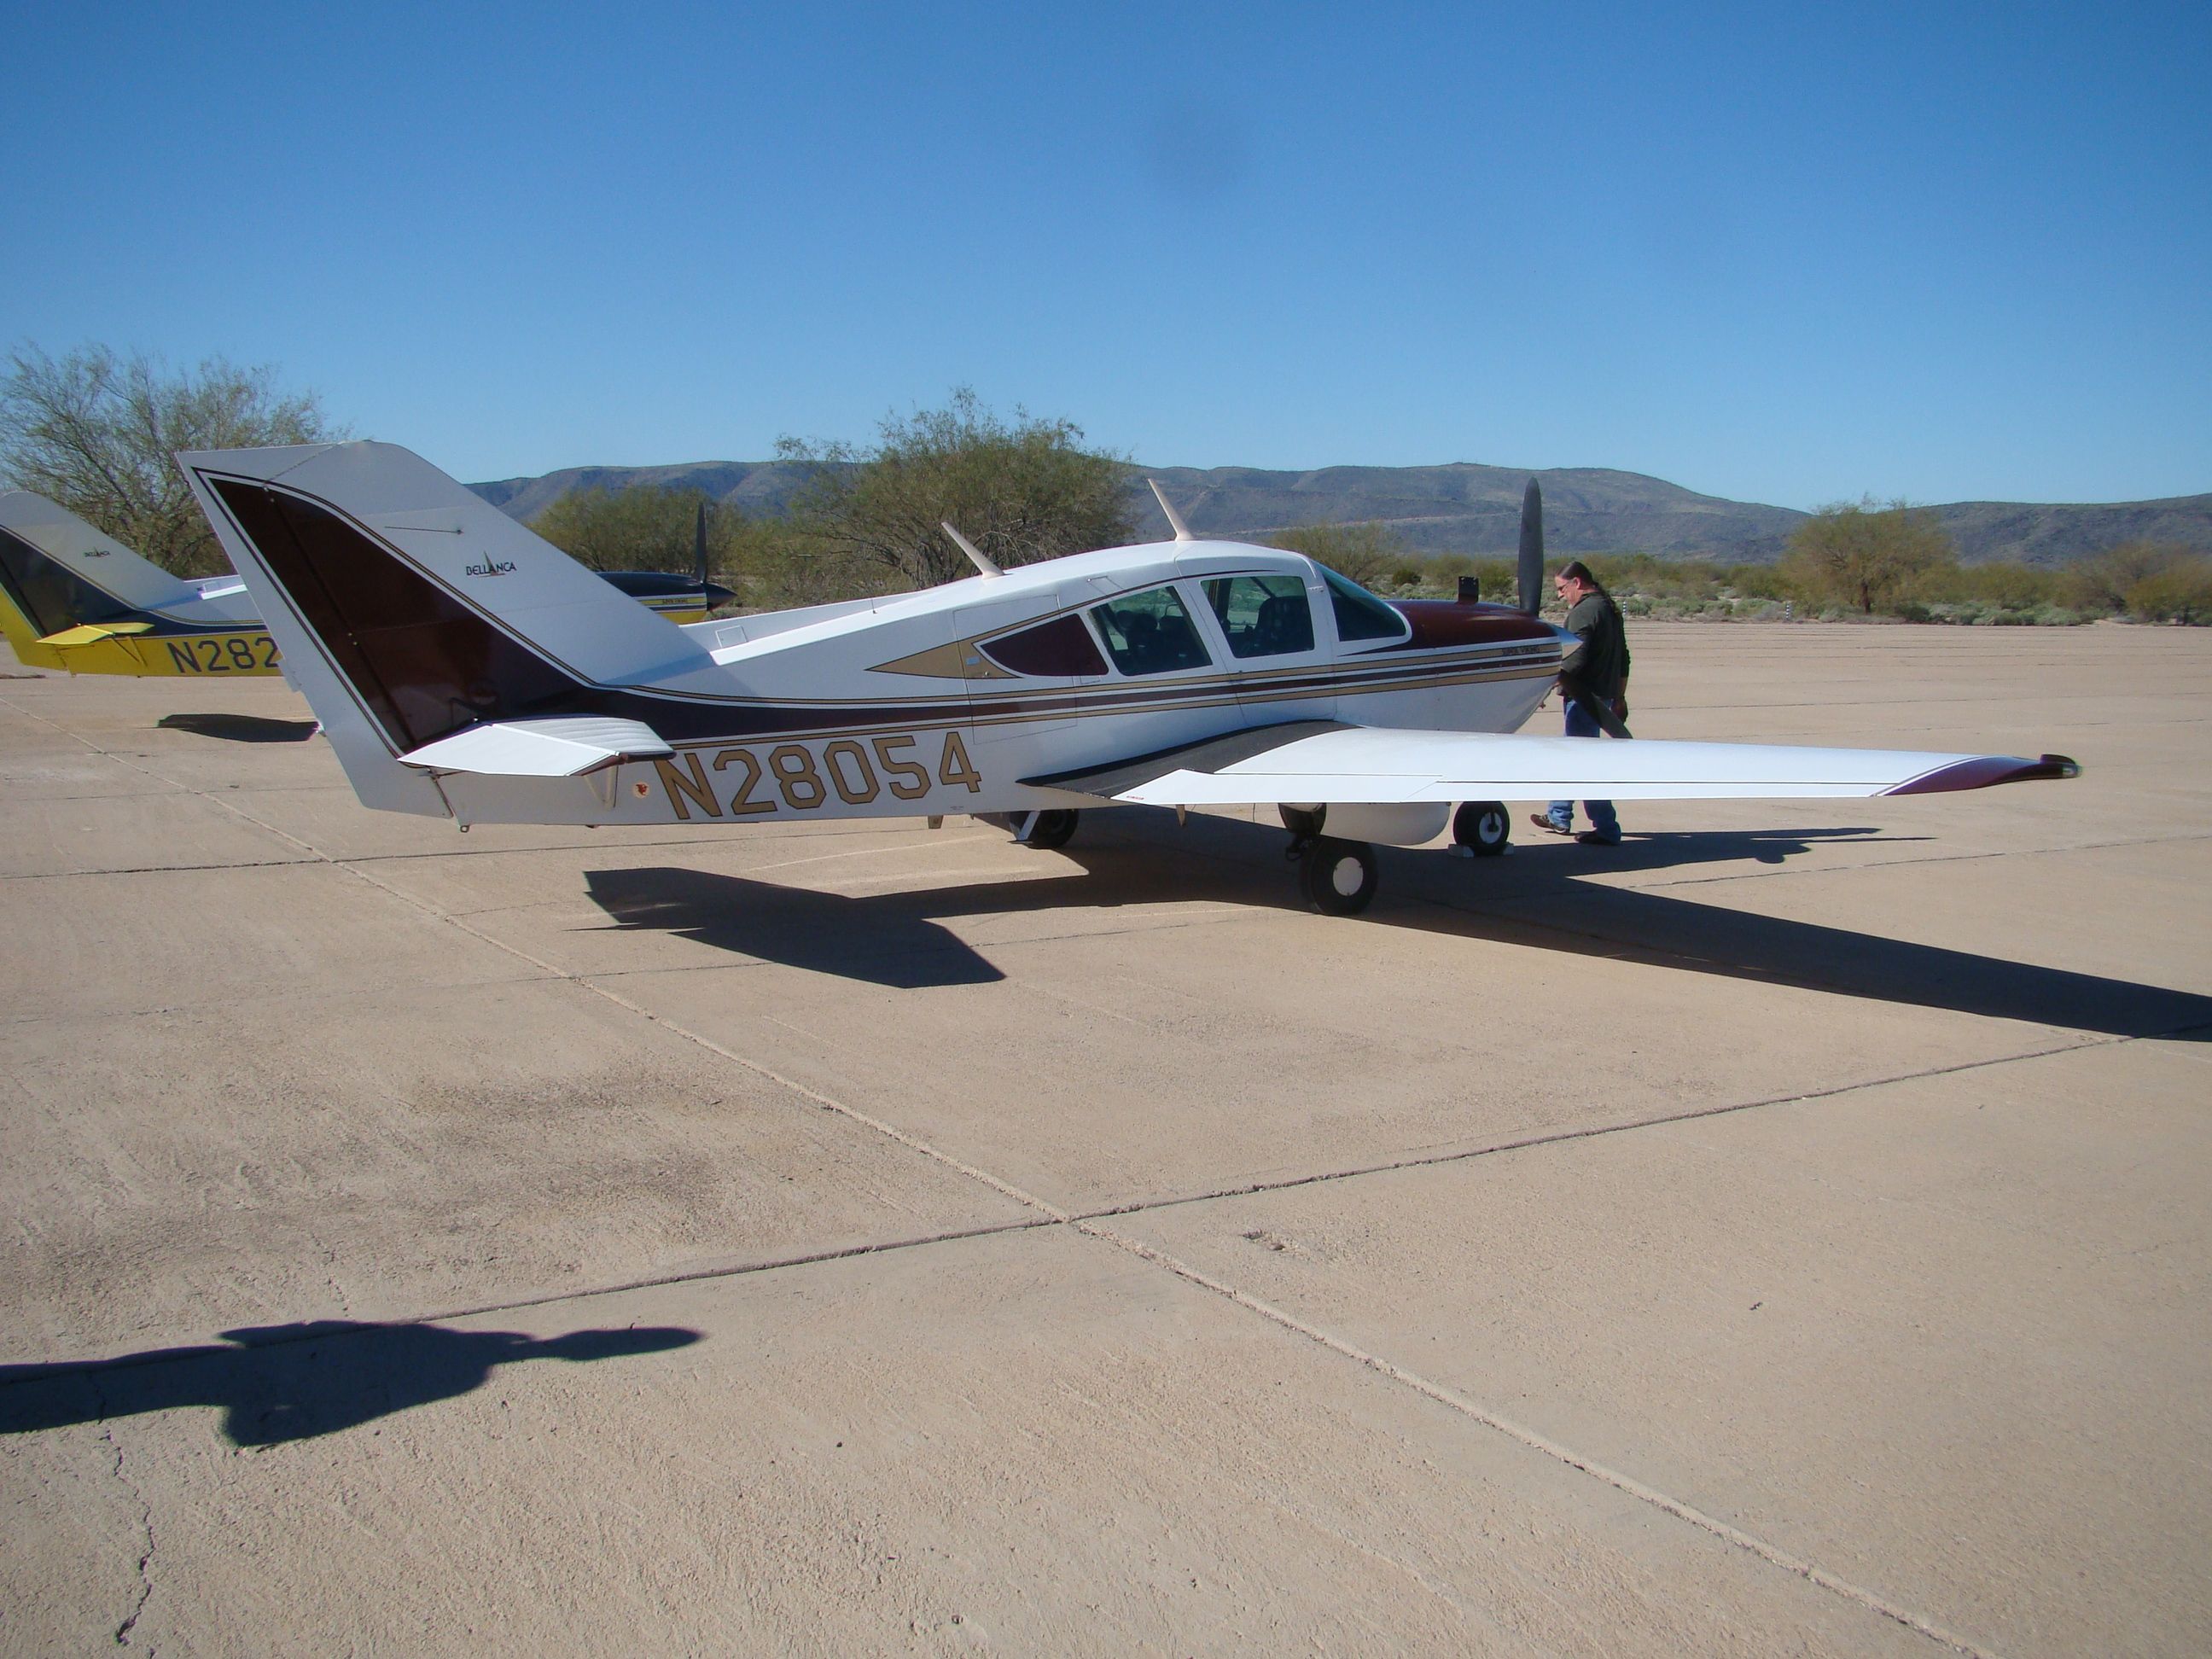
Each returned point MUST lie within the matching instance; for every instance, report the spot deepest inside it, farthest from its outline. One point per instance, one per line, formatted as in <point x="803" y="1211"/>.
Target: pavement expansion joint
<point x="155" y="870"/>
<point x="1454" y="1401"/>
<point x="1591" y="1131"/>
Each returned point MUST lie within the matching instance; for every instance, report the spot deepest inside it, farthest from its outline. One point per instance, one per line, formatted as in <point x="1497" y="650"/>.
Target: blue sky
<point x="1944" y="252"/>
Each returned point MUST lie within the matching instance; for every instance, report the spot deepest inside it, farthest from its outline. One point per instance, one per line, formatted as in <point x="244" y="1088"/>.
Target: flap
<point x="557" y="748"/>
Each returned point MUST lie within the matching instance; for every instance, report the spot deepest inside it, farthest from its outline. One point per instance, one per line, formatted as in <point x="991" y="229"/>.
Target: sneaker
<point x="1546" y="821"/>
<point x="1595" y="838"/>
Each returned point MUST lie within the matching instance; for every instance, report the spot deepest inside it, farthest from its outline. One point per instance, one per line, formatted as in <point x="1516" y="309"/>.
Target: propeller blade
<point x="699" y="543"/>
<point x="1532" y="548"/>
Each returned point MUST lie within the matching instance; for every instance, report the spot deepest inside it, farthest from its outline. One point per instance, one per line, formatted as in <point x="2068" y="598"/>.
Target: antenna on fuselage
<point x="1175" y="518"/>
<point x="1532" y="548"/>
<point x="982" y="561"/>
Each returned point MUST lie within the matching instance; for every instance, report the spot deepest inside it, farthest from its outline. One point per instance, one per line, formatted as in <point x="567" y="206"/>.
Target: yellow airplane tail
<point x="20" y="616"/>
<point x="22" y="638"/>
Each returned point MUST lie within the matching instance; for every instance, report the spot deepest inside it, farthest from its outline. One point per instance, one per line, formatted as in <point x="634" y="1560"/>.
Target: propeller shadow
<point x="1537" y="899"/>
<point x="277" y="1383"/>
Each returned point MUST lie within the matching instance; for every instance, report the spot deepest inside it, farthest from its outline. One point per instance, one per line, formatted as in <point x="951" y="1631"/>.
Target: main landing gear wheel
<point x="1053" y="828"/>
<point x="1483" y="826"/>
<point x="1338" y="877"/>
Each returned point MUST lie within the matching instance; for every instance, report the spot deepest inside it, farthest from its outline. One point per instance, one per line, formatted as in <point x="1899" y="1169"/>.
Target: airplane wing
<point x="1315" y="762"/>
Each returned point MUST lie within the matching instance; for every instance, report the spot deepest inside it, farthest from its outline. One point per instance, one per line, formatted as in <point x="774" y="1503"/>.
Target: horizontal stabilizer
<point x="558" y="748"/>
<point x="1368" y="764"/>
<point x="92" y="633"/>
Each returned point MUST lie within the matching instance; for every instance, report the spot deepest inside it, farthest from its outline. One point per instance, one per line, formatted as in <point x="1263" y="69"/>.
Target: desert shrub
<point x="2100" y="584"/>
<point x="2180" y="592"/>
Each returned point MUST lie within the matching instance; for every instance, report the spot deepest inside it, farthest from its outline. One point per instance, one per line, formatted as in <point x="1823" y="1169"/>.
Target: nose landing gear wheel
<point x="1483" y="826"/>
<point x="1338" y="877"/>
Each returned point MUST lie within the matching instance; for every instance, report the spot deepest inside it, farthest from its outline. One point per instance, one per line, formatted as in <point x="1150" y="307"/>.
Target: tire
<point x="1338" y="877"/>
<point x="1484" y="828"/>
<point x="1053" y="828"/>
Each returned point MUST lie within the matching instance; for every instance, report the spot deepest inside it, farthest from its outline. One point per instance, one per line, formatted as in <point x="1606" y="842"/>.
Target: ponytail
<point x="1575" y="571"/>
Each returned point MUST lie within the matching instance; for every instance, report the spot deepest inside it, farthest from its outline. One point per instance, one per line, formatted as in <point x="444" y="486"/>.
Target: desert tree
<point x="97" y="432"/>
<point x="1865" y="554"/>
<point x="643" y="528"/>
<point x="1021" y="488"/>
<point x="1367" y="552"/>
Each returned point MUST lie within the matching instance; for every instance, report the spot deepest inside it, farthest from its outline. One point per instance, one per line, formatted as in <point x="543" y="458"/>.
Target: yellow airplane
<point x="73" y="598"/>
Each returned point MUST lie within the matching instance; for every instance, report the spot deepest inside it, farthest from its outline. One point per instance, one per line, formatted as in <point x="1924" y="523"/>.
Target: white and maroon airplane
<point x="462" y="668"/>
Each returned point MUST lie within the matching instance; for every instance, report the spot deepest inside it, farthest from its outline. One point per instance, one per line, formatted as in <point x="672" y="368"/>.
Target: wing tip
<point x="1985" y="771"/>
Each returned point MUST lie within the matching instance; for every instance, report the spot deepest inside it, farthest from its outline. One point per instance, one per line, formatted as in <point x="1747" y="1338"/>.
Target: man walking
<point x="1593" y="681"/>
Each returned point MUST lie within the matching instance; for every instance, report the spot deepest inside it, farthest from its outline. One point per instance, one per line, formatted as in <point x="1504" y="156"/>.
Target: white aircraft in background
<point x="462" y="668"/>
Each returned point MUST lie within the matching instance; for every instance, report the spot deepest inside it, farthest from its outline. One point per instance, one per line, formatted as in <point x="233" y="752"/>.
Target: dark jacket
<point x="1597" y="668"/>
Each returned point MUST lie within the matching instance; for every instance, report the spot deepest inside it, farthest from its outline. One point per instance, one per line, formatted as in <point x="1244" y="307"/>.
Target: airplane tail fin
<point x="410" y="612"/>
<point x="57" y="573"/>
<point x="23" y="635"/>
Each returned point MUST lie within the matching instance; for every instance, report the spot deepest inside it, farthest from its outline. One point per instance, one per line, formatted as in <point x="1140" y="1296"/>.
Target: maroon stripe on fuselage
<point x="1440" y="623"/>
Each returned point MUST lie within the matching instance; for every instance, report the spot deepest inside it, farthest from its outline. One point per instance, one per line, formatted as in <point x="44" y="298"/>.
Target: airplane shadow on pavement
<point x="285" y="1382"/>
<point x="1536" y="899"/>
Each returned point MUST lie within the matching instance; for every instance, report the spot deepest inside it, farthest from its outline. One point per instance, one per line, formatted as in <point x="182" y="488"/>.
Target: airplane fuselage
<point x="986" y="688"/>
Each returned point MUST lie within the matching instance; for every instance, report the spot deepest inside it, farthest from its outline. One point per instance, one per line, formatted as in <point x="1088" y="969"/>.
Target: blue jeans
<point x="1562" y="813"/>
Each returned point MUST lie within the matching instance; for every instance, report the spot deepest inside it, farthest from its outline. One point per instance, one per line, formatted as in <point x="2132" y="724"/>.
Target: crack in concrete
<point x="145" y="1526"/>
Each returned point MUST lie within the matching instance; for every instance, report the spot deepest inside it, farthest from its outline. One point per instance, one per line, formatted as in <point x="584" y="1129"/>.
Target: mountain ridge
<point x="1467" y="507"/>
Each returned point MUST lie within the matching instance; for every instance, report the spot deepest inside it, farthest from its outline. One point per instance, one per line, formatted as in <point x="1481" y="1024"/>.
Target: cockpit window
<point x="1359" y="614"/>
<point x="1262" y="616"/>
<point x="1150" y="633"/>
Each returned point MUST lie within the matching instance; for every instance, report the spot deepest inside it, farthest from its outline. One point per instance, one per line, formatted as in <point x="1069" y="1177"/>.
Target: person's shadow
<point x="282" y="1383"/>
